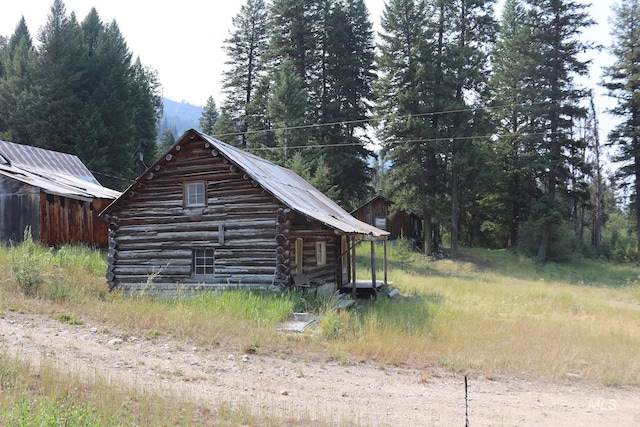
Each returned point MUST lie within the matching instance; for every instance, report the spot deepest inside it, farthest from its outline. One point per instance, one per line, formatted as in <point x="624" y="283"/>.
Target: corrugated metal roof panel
<point x="59" y="184"/>
<point x="293" y="191"/>
<point x="285" y="185"/>
<point x="45" y="160"/>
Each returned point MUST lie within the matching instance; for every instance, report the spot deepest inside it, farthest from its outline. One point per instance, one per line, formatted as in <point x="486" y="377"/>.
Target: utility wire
<point x="387" y="118"/>
<point x="407" y="141"/>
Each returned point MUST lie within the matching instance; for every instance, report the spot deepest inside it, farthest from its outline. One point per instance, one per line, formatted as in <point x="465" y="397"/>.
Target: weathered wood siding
<point x="377" y="207"/>
<point x="19" y="208"/>
<point x="312" y="232"/>
<point x="154" y="235"/>
<point x="64" y="220"/>
<point x="401" y="223"/>
<point x="406" y="224"/>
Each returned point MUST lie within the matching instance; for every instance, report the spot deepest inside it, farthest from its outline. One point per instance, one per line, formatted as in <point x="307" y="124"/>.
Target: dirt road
<point x="362" y="393"/>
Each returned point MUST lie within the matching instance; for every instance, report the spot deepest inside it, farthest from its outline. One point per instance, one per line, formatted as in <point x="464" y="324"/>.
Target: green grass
<point x="490" y="312"/>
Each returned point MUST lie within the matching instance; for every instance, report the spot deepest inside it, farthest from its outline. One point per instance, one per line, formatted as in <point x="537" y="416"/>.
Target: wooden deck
<point x="364" y="288"/>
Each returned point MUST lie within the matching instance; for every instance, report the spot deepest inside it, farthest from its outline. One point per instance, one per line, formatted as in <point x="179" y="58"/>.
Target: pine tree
<point x="209" y="117"/>
<point x="347" y="95"/>
<point x="514" y="185"/>
<point x="167" y="140"/>
<point x="80" y="93"/>
<point x="622" y="79"/>
<point x="406" y="107"/>
<point x="245" y="49"/>
<point x="467" y="29"/>
<point x="146" y="112"/>
<point x="555" y="47"/>
<point x="60" y="77"/>
<point x="16" y="67"/>
<point x="287" y="109"/>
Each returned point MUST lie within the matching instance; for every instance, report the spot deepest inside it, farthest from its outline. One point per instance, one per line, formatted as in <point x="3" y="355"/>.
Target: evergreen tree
<point x="262" y="137"/>
<point x="16" y="65"/>
<point x="287" y="109"/>
<point x="514" y="185"/>
<point x="406" y="108"/>
<point x="166" y="142"/>
<point x="226" y="130"/>
<point x="295" y="26"/>
<point x="467" y="28"/>
<point x="555" y="47"/>
<point x="622" y="79"/>
<point x="106" y="121"/>
<point x="209" y="117"/>
<point x="59" y="81"/>
<point x="246" y="49"/>
<point x="80" y="93"/>
<point x="347" y="94"/>
<point x="146" y="112"/>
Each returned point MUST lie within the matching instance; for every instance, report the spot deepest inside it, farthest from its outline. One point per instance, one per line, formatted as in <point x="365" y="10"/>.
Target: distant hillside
<point x="179" y="117"/>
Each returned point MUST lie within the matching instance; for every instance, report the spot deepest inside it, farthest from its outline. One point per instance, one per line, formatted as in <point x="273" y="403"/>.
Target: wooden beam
<point x="385" y="262"/>
<point x="353" y="266"/>
<point x="373" y="268"/>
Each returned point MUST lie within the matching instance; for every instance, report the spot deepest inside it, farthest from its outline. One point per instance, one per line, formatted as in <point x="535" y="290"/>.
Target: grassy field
<point x="489" y="312"/>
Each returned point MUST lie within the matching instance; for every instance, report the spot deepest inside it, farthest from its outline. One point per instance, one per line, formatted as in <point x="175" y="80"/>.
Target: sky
<point x="182" y="40"/>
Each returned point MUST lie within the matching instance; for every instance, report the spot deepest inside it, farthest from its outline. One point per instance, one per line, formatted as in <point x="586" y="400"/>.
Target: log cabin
<point x="378" y="212"/>
<point x="207" y="215"/>
<point x="53" y="194"/>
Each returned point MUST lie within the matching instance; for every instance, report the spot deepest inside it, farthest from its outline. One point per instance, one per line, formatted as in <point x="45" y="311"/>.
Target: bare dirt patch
<point x="361" y="393"/>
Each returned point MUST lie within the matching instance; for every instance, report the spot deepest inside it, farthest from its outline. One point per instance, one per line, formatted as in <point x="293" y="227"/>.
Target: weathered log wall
<point x="311" y="232"/>
<point x="154" y="235"/>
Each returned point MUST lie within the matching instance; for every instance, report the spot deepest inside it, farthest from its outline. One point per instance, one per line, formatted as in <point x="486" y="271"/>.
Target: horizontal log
<point x="267" y="245"/>
<point x="248" y="282"/>
<point x="203" y="225"/>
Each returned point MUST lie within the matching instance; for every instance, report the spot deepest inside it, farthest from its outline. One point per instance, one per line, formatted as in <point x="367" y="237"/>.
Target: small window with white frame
<point x="194" y="194"/>
<point x="321" y="253"/>
<point x="204" y="262"/>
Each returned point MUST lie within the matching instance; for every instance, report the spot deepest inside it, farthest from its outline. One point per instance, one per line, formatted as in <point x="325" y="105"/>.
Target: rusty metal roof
<point x="35" y="158"/>
<point x="293" y="191"/>
<point x="55" y="173"/>
<point x="286" y="186"/>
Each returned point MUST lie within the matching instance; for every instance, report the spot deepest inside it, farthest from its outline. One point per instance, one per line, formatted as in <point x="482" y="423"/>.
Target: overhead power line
<point x="388" y="118"/>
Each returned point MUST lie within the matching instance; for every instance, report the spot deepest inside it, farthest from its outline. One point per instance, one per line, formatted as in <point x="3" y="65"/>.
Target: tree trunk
<point x="455" y="211"/>
<point x="428" y="232"/>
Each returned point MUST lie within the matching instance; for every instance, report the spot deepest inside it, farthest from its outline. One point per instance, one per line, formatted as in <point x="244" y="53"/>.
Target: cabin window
<point x="299" y="255"/>
<point x="381" y="222"/>
<point x="321" y="253"/>
<point x="194" y="194"/>
<point x="204" y="262"/>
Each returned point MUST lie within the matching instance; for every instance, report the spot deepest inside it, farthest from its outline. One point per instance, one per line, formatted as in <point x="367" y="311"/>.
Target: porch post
<point x="373" y="267"/>
<point x="385" y="261"/>
<point x="353" y="266"/>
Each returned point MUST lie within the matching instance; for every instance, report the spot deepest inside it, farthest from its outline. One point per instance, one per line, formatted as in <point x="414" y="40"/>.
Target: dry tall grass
<point x="492" y="312"/>
<point x="500" y="314"/>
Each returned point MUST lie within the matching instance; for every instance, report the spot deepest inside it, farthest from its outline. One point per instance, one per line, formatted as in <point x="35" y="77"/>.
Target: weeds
<point x="28" y="264"/>
<point x="69" y="318"/>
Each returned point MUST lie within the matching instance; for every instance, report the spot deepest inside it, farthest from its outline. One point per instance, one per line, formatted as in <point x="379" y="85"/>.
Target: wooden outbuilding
<point x="377" y="211"/>
<point x="52" y="193"/>
<point x="207" y="215"/>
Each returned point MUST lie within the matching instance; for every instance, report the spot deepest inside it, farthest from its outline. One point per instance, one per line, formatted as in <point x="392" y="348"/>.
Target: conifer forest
<point x="471" y="117"/>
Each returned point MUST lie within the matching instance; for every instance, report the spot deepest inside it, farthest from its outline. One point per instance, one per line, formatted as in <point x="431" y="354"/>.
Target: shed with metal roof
<point x="209" y="215"/>
<point x="52" y="193"/>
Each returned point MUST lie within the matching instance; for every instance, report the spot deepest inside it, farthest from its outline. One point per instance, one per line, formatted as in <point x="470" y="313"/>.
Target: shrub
<point x="563" y="246"/>
<point x="28" y="264"/>
<point x="401" y="250"/>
